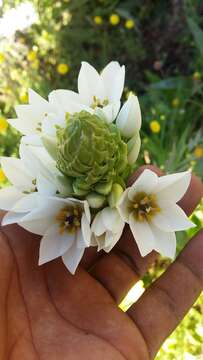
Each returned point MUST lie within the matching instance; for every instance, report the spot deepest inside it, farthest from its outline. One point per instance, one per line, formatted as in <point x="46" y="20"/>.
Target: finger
<point x="168" y="299"/>
<point x="110" y="268"/>
<point x="192" y="196"/>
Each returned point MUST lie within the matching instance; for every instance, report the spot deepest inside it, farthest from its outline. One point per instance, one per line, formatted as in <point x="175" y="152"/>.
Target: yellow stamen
<point x="144" y="206"/>
<point x="69" y="219"/>
<point x="98" y="103"/>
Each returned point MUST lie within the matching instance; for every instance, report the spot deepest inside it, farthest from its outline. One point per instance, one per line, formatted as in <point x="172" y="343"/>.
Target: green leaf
<point x="170" y="83"/>
<point x="197" y="33"/>
<point x="198" y="169"/>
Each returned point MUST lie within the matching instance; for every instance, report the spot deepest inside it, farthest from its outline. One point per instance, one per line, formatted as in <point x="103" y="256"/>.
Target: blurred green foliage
<point x="162" y="48"/>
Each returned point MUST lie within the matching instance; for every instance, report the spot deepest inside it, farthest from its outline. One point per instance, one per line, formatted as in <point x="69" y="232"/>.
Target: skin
<point x="46" y="313"/>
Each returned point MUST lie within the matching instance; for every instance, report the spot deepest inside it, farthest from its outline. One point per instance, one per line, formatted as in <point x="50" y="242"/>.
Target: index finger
<point x="167" y="300"/>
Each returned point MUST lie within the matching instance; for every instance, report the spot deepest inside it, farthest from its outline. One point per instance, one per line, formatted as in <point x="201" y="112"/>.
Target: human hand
<point x="47" y="313"/>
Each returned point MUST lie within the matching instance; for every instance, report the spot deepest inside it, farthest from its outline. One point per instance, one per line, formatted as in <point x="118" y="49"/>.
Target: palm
<point x="50" y="314"/>
<point x="57" y="318"/>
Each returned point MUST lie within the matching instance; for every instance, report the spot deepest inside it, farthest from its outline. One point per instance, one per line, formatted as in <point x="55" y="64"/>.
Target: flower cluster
<point x="70" y="183"/>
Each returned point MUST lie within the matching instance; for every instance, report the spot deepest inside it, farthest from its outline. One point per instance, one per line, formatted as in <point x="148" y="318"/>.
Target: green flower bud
<point x="90" y="151"/>
<point x="115" y="195"/>
<point x="95" y="200"/>
<point x="104" y="188"/>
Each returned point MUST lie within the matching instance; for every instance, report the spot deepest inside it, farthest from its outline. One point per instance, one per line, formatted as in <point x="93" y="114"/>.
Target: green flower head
<point x="91" y="152"/>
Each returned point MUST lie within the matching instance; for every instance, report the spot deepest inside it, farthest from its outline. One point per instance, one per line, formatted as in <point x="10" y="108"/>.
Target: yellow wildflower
<point x="2" y="176"/>
<point x="198" y="152"/>
<point x="197" y="76"/>
<point x="114" y="19"/>
<point x="2" y="58"/>
<point x="98" y="20"/>
<point x="129" y="24"/>
<point x="155" y="126"/>
<point x="175" y="102"/>
<point x="162" y="117"/>
<point x="63" y="68"/>
<point x="32" y="55"/>
<point x="23" y="97"/>
<point x="3" y="124"/>
<point x="45" y="34"/>
<point x="35" y="64"/>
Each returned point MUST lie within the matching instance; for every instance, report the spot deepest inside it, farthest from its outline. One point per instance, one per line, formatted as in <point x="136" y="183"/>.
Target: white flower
<point x="129" y="118"/>
<point x="107" y="228"/>
<point x="149" y="207"/>
<point x="134" y="148"/>
<point x="37" y="117"/>
<point x="64" y="225"/>
<point x="95" y="91"/>
<point x="129" y="123"/>
<point x="27" y="175"/>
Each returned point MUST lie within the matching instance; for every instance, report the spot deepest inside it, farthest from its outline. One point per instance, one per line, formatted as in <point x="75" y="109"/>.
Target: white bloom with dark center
<point x="150" y="208"/>
<point x="95" y="91"/>
<point x="107" y="228"/>
<point x="37" y="118"/>
<point x="64" y="225"/>
<point x="29" y="175"/>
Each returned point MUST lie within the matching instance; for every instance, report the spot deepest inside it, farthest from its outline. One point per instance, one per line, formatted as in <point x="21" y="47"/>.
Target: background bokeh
<point x="42" y="44"/>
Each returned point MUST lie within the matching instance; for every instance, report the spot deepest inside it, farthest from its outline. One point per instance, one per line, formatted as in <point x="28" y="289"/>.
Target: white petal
<point x="143" y="235"/>
<point x="129" y="118"/>
<point x="100" y="242"/>
<point x="50" y="123"/>
<point x="113" y="77"/>
<point x="24" y="126"/>
<point x="40" y="166"/>
<point x="79" y="239"/>
<point x="146" y="182"/>
<point x="123" y="206"/>
<point x="34" y="140"/>
<point x="12" y="218"/>
<point x="134" y="145"/>
<point x="93" y="240"/>
<point x="38" y="227"/>
<point x="72" y="258"/>
<point x="30" y="161"/>
<point x="54" y="244"/>
<point x="89" y="84"/>
<point x="111" y="239"/>
<point x="98" y="227"/>
<point x="29" y="117"/>
<point x="37" y="100"/>
<point x="87" y="211"/>
<point x="42" y="217"/>
<point x="9" y="196"/>
<point x="26" y="203"/>
<point x="46" y="210"/>
<point x="111" y="219"/>
<point x="39" y="106"/>
<point x="65" y="99"/>
<point x="175" y="217"/>
<point x="86" y="231"/>
<point x="173" y="187"/>
<point x="161" y="221"/>
<point x="110" y="111"/>
<point x="17" y="173"/>
<point x="44" y="186"/>
<point x="165" y="242"/>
